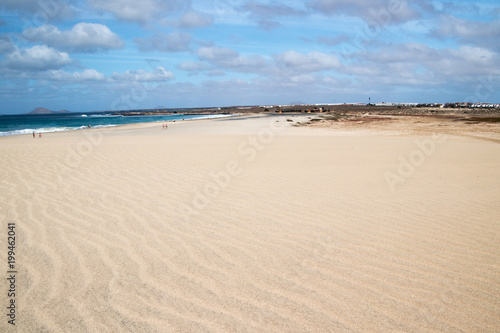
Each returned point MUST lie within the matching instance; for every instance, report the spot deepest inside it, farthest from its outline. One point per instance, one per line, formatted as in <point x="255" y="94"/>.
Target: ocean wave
<point x="102" y="126"/>
<point x="211" y="116"/>
<point x="49" y="130"/>
<point x="105" y="115"/>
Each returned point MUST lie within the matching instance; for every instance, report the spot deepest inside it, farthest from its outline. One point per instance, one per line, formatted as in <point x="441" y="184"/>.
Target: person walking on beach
<point x="33" y="135"/>
<point x="39" y="135"/>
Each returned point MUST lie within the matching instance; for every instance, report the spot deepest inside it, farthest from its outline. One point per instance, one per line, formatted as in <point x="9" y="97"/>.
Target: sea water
<point x="27" y="124"/>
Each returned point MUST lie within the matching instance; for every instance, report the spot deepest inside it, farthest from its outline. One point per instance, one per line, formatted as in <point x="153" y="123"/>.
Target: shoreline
<point x="343" y="111"/>
<point x="326" y="117"/>
<point x="51" y="130"/>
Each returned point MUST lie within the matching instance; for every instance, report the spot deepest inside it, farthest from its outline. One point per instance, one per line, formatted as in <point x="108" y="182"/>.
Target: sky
<point x="98" y="55"/>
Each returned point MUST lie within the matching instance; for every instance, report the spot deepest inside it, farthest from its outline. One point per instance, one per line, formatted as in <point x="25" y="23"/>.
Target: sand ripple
<point x="307" y="238"/>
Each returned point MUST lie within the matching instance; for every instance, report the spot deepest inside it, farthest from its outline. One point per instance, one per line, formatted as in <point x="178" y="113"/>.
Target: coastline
<point x="256" y="223"/>
<point x="51" y="123"/>
<point x="343" y="111"/>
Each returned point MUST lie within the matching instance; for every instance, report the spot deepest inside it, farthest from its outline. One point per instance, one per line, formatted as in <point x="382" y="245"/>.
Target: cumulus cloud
<point x="172" y="42"/>
<point x="480" y="33"/>
<point x="46" y="10"/>
<point x="266" y="10"/>
<point x="192" y="20"/>
<point x="215" y="53"/>
<point x="157" y="75"/>
<point x="216" y="72"/>
<point x="141" y="12"/>
<point x="37" y="58"/>
<point x="75" y="77"/>
<point x="247" y="64"/>
<point x="265" y="14"/>
<point x="193" y="66"/>
<point x="6" y="45"/>
<point x="227" y="58"/>
<point x="455" y="27"/>
<point x="332" y="41"/>
<point x="286" y="64"/>
<point x="410" y="60"/>
<point x="83" y="37"/>
<point x="459" y="7"/>
<point x="468" y="60"/>
<point x="405" y="52"/>
<point x="328" y="40"/>
<point x="293" y="61"/>
<point x="381" y="12"/>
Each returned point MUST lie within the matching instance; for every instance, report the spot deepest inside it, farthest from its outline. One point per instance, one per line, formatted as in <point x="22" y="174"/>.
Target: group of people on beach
<point x="165" y="126"/>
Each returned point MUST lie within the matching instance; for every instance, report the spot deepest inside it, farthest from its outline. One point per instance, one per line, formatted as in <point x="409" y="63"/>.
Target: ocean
<point x="27" y="124"/>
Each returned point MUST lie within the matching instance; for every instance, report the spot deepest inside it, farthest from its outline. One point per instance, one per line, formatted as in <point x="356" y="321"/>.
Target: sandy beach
<point x="252" y="224"/>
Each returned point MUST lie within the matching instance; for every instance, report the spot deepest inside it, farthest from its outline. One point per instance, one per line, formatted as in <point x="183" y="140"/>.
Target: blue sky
<point x="126" y="54"/>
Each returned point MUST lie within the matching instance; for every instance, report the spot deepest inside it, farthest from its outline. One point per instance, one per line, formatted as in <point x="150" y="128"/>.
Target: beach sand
<point x="254" y="225"/>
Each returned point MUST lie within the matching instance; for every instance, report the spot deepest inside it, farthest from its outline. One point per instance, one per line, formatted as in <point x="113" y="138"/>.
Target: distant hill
<point x="41" y="110"/>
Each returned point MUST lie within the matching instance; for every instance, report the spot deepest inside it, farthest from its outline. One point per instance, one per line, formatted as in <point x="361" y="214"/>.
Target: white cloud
<point x="247" y="64"/>
<point x="142" y="12"/>
<point x="193" y="66"/>
<point x="83" y="37"/>
<point x="172" y="42"/>
<point x="381" y="12"/>
<point x="304" y="79"/>
<point x="406" y="52"/>
<point x="193" y="20"/>
<point x="310" y="62"/>
<point x="47" y="10"/>
<point x="269" y="10"/>
<point x="467" y="60"/>
<point x="480" y="33"/>
<point x="288" y="63"/>
<point x="414" y="62"/>
<point x="37" y="58"/>
<point x="6" y="45"/>
<point x="215" y="53"/>
<point x="332" y="41"/>
<point x="216" y="72"/>
<point x="265" y="14"/>
<point x="141" y="75"/>
<point x="455" y="27"/>
<point x="229" y="59"/>
<point x="76" y="77"/>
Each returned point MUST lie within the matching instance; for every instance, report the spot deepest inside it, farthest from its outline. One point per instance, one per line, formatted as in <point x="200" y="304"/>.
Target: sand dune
<point x="252" y="225"/>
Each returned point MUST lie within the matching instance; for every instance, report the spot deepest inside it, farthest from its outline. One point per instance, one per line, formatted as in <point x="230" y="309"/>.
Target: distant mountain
<point x="41" y="110"/>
